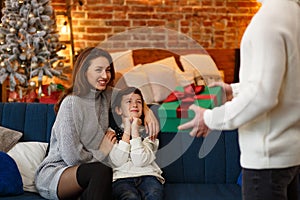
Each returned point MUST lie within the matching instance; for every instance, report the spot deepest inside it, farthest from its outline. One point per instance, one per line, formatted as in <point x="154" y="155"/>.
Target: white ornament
<point x="12" y="30"/>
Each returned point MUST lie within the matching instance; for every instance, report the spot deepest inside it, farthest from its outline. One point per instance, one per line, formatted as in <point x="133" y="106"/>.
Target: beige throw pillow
<point x="202" y="65"/>
<point x="28" y="156"/>
<point x="8" y="138"/>
<point x="183" y="78"/>
<point x="162" y="80"/>
<point x="139" y="79"/>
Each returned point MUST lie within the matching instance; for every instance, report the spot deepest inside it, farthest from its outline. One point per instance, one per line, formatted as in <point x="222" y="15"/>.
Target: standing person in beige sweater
<point x="265" y="105"/>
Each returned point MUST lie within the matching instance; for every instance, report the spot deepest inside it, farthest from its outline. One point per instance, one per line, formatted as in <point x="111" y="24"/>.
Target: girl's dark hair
<point x="126" y="91"/>
<point x="117" y="120"/>
<point x="80" y="85"/>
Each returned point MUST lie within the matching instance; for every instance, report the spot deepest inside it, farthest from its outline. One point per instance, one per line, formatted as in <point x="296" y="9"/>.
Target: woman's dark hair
<point x="80" y="85"/>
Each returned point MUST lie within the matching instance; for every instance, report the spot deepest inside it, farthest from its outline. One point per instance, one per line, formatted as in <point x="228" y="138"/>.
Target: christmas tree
<point x="29" y="42"/>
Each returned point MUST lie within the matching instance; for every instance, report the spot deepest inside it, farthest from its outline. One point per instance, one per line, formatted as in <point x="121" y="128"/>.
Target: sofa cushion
<point x="8" y="138"/>
<point x="13" y="116"/>
<point x="202" y="191"/>
<point x="10" y="177"/>
<point x="34" y="120"/>
<point x="239" y="181"/>
<point x="25" y="196"/>
<point x="38" y="122"/>
<point x="179" y="154"/>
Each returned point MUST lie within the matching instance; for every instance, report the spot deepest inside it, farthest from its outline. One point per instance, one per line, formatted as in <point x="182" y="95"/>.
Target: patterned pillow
<point x="8" y="138"/>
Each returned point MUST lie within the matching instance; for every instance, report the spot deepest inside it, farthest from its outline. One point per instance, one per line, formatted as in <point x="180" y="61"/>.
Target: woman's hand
<point x="151" y="123"/>
<point x="108" y="142"/>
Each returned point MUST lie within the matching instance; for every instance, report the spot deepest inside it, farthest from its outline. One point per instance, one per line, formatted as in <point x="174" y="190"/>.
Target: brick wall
<point x="215" y="24"/>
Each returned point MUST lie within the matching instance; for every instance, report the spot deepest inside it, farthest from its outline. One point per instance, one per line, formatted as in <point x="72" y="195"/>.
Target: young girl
<point x="135" y="173"/>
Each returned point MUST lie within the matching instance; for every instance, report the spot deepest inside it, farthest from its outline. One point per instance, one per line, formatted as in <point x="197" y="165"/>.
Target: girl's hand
<point x="108" y="142"/>
<point x="136" y="123"/>
<point x="127" y="125"/>
<point x="127" y="129"/>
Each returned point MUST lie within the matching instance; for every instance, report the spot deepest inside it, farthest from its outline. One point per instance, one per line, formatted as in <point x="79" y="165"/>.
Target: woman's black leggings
<point x="96" y="180"/>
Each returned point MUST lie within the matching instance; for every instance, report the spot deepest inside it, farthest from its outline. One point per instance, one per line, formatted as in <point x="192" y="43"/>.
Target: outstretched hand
<point x="197" y="124"/>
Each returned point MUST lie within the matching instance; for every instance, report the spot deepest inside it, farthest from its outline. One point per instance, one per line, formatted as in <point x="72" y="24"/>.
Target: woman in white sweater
<point x="265" y="105"/>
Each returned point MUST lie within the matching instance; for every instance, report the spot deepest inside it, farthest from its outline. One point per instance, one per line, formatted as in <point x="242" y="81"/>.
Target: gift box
<point x="174" y="110"/>
<point x="52" y="99"/>
<point x="51" y="93"/>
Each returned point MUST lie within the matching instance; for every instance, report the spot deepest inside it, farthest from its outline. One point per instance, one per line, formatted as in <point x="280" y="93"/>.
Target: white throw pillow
<point x="122" y="60"/>
<point x="202" y="65"/>
<point x="28" y="156"/>
<point x="183" y="78"/>
<point x="168" y="62"/>
<point x="139" y="79"/>
<point x="162" y="79"/>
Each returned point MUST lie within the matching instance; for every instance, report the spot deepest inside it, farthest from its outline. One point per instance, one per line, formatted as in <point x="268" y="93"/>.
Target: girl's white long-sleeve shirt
<point x="135" y="159"/>
<point x="266" y="108"/>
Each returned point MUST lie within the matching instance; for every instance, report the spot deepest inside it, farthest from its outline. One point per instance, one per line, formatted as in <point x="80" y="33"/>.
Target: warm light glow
<point x="64" y="29"/>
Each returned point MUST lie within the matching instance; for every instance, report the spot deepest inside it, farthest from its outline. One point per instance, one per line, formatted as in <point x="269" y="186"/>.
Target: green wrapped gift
<point x="174" y="110"/>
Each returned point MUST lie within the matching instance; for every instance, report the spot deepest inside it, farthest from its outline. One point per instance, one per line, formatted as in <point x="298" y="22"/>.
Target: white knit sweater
<point x="135" y="159"/>
<point x="267" y="107"/>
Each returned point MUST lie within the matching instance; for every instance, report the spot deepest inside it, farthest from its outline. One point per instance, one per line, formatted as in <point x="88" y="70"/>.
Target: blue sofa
<point x="188" y="177"/>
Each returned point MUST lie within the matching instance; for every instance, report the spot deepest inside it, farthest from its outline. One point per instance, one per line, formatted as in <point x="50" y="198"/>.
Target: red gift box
<point x="49" y="96"/>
